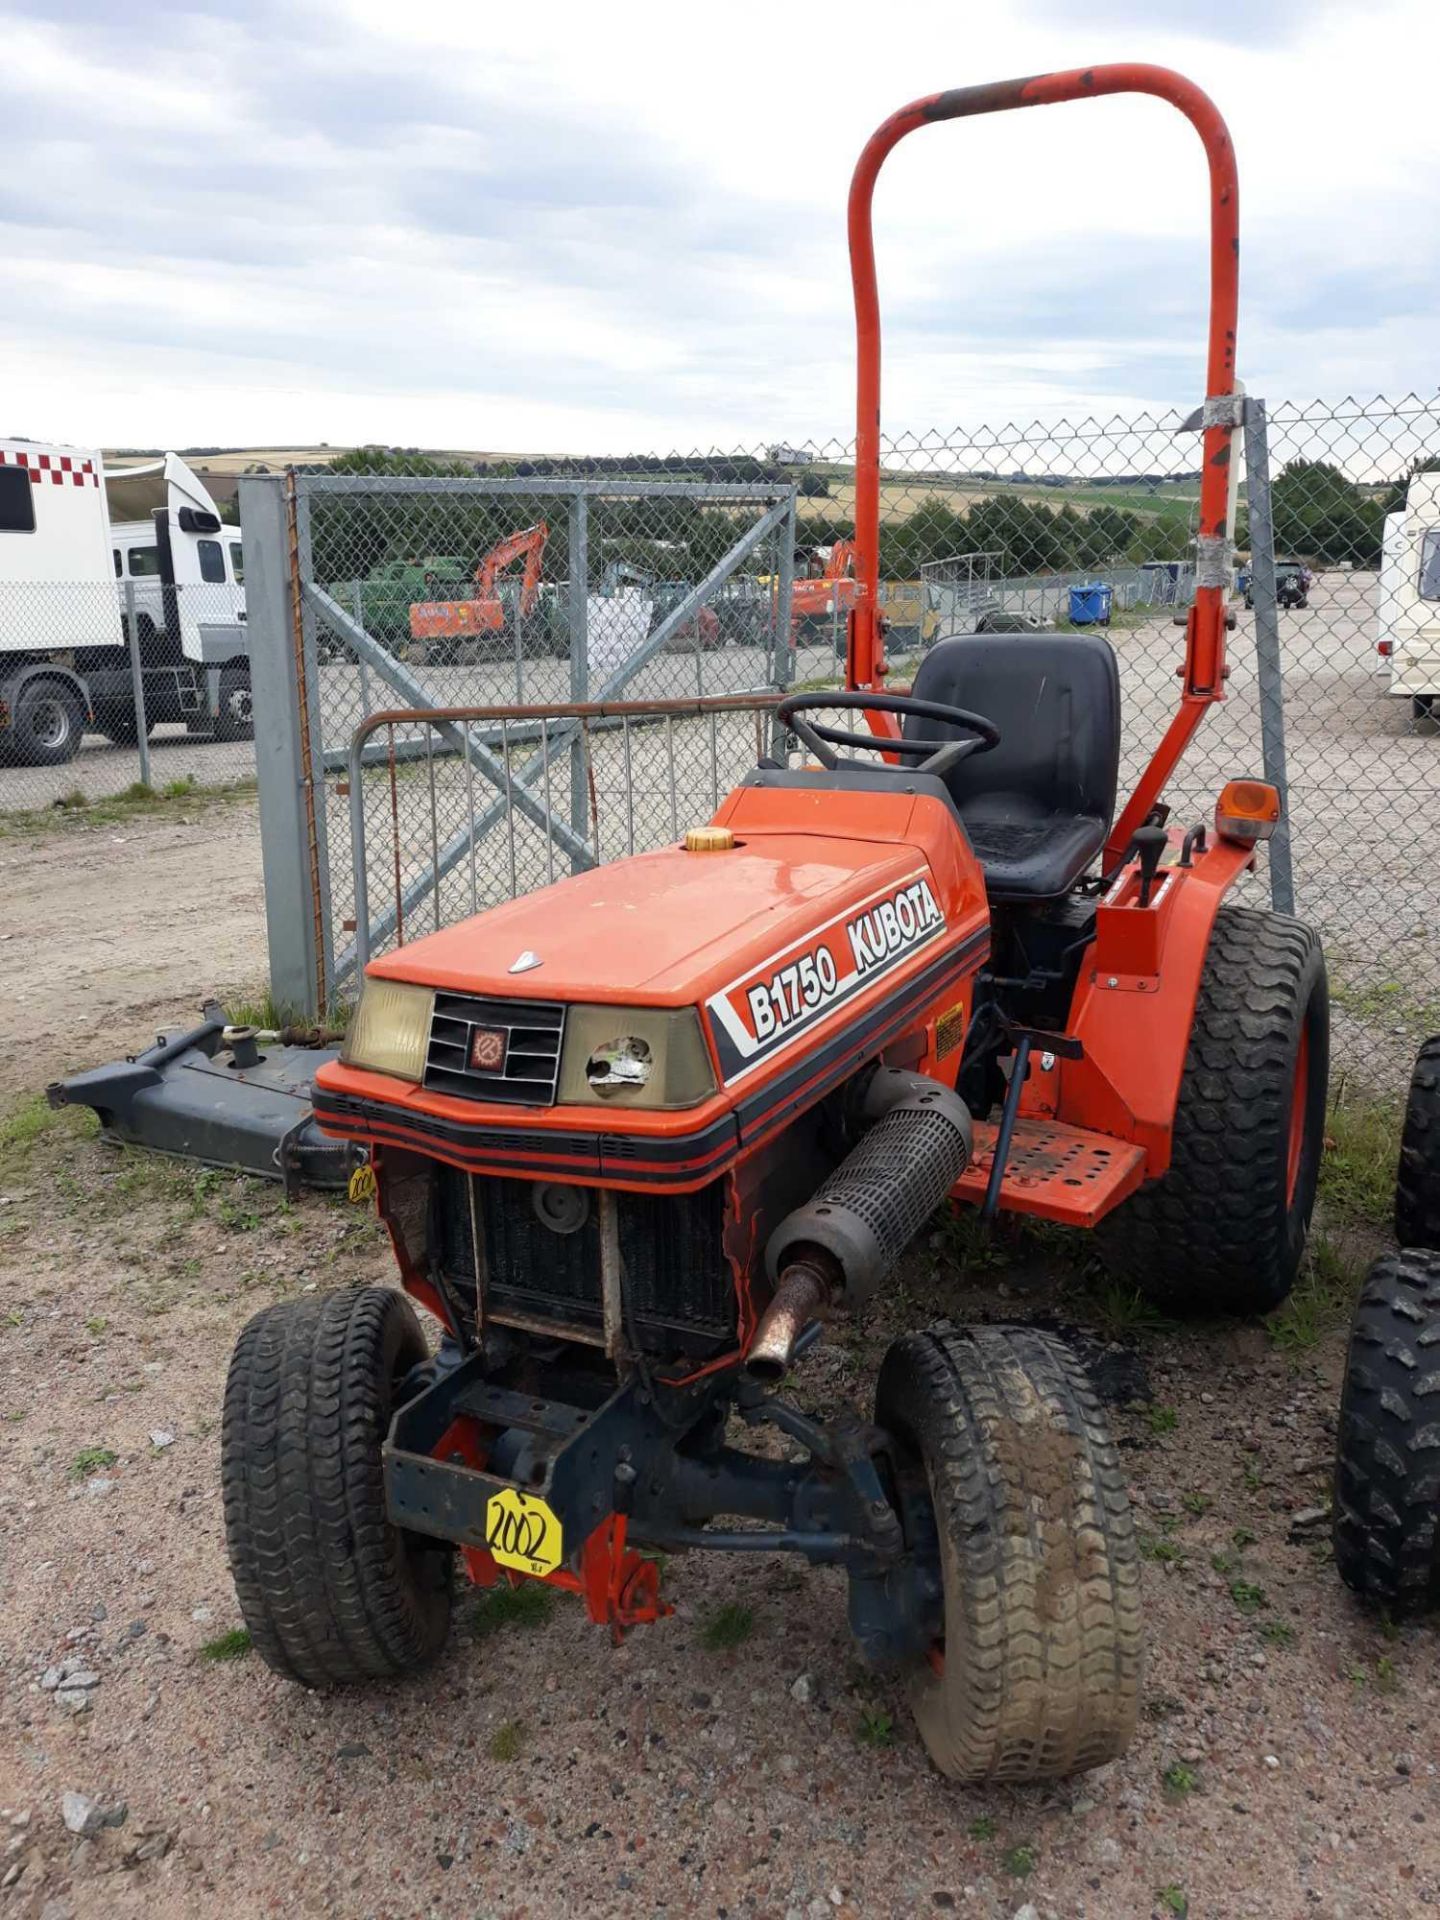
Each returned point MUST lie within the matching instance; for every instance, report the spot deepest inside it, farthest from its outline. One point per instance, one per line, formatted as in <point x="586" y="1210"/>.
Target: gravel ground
<point x="1285" y="1764"/>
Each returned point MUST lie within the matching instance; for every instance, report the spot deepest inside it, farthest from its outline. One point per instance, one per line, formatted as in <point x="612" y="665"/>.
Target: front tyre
<point x="1223" y="1231"/>
<point x="1038" y="1673"/>
<point x="235" y="714"/>
<point x="1417" y="1185"/>
<point x="1387" y="1456"/>
<point x="330" y="1590"/>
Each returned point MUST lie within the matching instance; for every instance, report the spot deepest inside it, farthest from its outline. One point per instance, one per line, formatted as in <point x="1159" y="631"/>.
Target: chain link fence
<point x="110" y="688"/>
<point x="427" y="587"/>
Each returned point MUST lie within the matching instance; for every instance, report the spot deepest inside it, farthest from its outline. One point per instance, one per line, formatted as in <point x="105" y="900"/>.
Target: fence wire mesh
<point x="1070" y="526"/>
<point x="69" y="706"/>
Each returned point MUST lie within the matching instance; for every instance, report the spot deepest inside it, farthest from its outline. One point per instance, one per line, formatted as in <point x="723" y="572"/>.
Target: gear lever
<point x="1149" y="843"/>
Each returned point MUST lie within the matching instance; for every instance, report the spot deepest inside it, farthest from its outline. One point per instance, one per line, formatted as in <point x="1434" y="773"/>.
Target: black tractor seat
<point x="1036" y="808"/>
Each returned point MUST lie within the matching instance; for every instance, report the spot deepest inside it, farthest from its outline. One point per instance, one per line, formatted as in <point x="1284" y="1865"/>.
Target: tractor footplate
<point x="1061" y="1173"/>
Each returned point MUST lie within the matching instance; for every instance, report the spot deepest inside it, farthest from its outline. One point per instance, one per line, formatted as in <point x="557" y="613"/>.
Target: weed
<point x="507" y="1740"/>
<point x="1196" y="1503"/>
<point x="1178" y="1780"/>
<point x="875" y="1728"/>
<point x="1163" y="1419"/>
<point x="1252" y="1476"/>
<point x="1241" y="1538"/>
<point x="1278" y="1633"/>
<point x="1387" y="1678"/>
<point x="91" y="1460"/>
<point x="1162" y="1706"/>
<point x="1173" y="1900"/>
<point x="77" y="811"/>
<point x="1322" y="1299"/>
<point x="1154" y="1548"/>
<point x="1248" y="1597"/>
<point x="12" y="1317"/>
<point x="527" y="1605"/>
<point x="229" y="1646"/>
<point x="1123" y="1310"/>
<point x="728" y="1626"/>
<point x="1357" y="1170"/>
<point x="96" y="1325"/>
<point x="984" y="1828"/>
<point x="1018" y="1862"/>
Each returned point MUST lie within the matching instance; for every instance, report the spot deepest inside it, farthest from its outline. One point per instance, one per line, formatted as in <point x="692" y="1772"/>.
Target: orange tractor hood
<point x="663" y="928"/>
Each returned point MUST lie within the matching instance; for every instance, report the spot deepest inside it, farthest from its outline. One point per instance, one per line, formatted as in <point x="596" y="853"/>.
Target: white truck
<point x="1408" y="613"/>
<point x="67" y="578"/>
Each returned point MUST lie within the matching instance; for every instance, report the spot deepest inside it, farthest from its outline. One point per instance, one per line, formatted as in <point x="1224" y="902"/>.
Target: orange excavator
<point x="825" y="596"/>
<point x="485" y="611"/>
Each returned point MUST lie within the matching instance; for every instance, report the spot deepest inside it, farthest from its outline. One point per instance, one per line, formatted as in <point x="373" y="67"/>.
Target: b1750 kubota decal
<point x="764" y="1010"/>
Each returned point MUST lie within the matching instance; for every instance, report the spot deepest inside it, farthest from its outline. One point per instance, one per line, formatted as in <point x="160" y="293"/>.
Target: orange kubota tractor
<point x="485" y="612"/>
<point x="638" y="1135"/>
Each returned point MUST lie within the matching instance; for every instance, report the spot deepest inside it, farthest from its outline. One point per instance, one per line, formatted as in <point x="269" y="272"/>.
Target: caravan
<point x="70" y="583"/>
<point x="1408" y="614"/>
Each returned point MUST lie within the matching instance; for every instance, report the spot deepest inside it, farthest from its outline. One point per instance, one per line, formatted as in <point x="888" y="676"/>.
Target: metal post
<point x="1267" y="646"/>
<point x="579" y="659"/>
<point x="357" y="601"/>
<point x="519" y="652"/>
<point x="137" y="685"/>
<point x="285" y="837"/>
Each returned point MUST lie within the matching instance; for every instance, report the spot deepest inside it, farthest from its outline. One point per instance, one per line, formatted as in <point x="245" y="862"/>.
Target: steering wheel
<point x="931" y="756"/>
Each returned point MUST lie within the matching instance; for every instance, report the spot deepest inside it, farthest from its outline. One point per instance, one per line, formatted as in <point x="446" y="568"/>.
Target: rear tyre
<point x="47" y="723"/>
<point x="331" y="1591"/>
<point x="235" y="717"/>
<point x="1417" y="1186"/>
<point x="1039" y="1671"/>
<point x="1387" y="1464"/>
<point x="1224" y="1230"/>
<point x="1422" y="707"/>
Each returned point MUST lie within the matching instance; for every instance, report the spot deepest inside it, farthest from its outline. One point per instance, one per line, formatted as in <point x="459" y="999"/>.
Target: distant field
<point x="900" y="495"/>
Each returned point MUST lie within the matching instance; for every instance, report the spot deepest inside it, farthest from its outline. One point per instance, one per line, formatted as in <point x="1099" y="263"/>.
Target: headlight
<point x="634" y="1057"/>
<point x="390" y="1030"/>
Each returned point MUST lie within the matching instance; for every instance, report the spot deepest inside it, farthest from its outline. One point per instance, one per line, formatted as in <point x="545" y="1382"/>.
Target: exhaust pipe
<point x="801" y="1295"/>
<point x="843" y="1242"/>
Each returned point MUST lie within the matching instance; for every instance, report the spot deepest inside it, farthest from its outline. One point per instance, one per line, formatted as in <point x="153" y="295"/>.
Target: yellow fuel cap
<point x="708" y="839"/>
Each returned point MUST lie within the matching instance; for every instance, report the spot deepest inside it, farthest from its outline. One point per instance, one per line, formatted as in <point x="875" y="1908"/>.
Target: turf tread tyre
<point x="1043" y="1644"/>
<point x="331" y="1591"/>
<point x="1219" y="1233"/>
<point x="1417" y="1186"/>
<point x="1386" y="1525"/>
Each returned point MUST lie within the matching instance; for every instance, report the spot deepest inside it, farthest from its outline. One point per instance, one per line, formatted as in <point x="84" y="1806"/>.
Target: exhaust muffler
<point x="840" y="1245"/>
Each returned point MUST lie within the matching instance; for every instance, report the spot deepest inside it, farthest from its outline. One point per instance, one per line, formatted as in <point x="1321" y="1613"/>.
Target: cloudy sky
<point x="595" y="228"/>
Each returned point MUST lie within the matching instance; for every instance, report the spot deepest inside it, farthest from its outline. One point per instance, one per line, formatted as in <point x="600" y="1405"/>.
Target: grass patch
<point x="984" y="1828"/>
<point x="91" y="1460"/>
<point x="229" y="1646"/>
<point x="1362" y="1149"/>
<point x="1173" y="1900"/>
<point x="1323" y="1298"/>
<point x="1277" y="1633"/>
<point x="1163" y="1419"/>
<point x="75" y="810"/>
<point x="1248" y="1597"/>
<point x="527" y="1605"/>
<point x="728" y="1627"/>
<point x="1018" y="1862"/>
<point x="1122" y="1311"/>
<point x="507" y="1740"/>
<point x="1178" y="1780"/>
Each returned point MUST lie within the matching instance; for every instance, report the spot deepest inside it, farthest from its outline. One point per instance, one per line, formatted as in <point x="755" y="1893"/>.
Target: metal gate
<point x="515" y="602"/>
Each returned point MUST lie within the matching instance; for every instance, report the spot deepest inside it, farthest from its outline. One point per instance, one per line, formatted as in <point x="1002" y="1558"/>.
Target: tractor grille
<point x="505" y="1050"/>
<point x="678" y="1289"/>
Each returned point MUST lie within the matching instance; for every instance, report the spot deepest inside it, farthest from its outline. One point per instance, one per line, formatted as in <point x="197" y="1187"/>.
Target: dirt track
<point x="109" y="930"/>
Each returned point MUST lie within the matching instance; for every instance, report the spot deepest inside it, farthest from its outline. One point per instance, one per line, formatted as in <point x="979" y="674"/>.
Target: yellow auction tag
<point x="362" y="1184"/>
<point x="522" y="1532"/>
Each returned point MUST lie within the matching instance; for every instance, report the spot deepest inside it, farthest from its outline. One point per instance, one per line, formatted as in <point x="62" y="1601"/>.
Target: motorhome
<point x="1408" y="609"/>
<point x="74" y="588"/>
